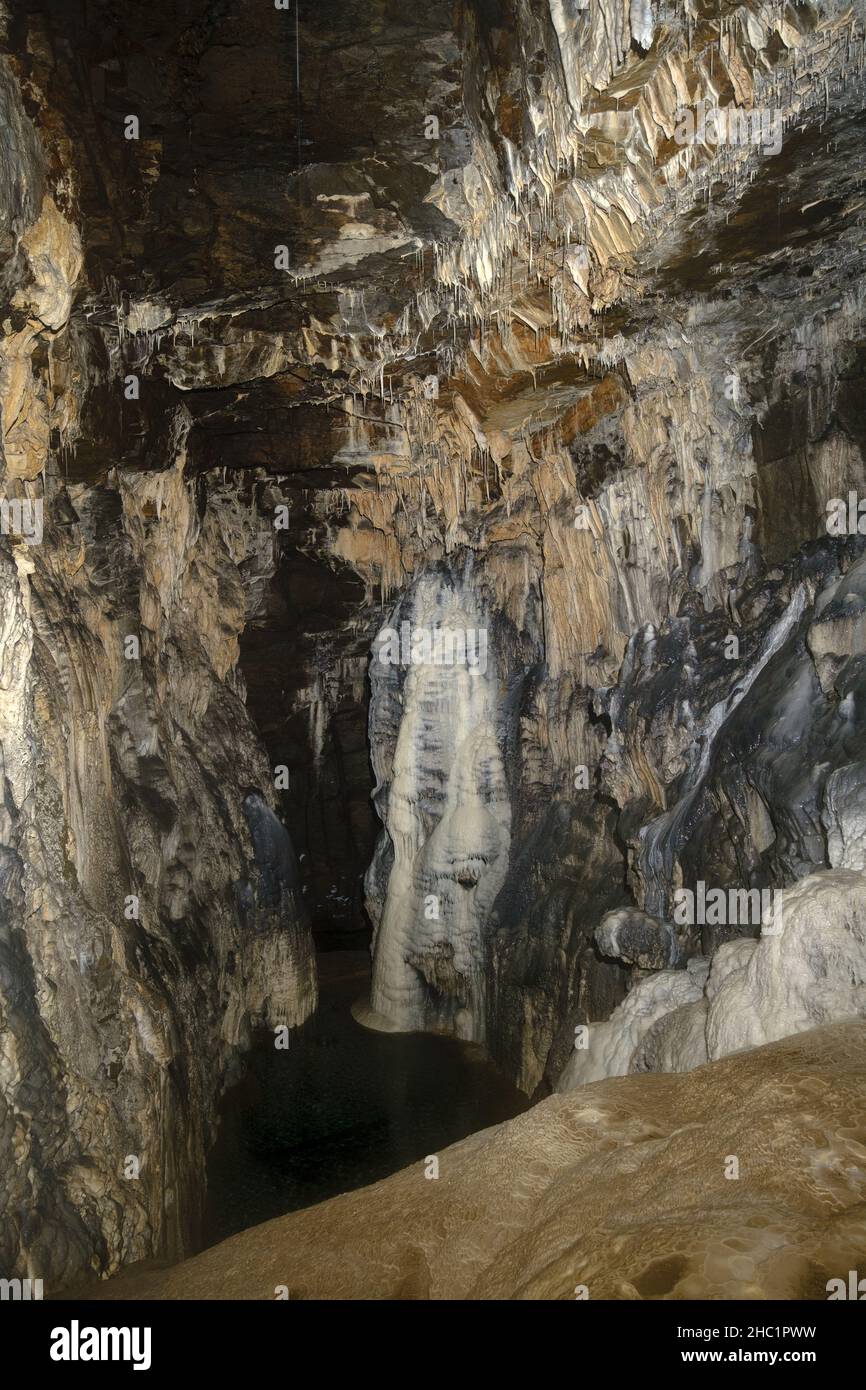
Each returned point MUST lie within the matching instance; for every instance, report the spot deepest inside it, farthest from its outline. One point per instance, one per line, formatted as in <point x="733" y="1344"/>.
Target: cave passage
<point x="342" y="1107"/>
<point x="432" y="529"/>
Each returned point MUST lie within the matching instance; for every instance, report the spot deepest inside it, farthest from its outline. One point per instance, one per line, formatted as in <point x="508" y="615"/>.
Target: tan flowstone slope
<point x="619" y="1186"/>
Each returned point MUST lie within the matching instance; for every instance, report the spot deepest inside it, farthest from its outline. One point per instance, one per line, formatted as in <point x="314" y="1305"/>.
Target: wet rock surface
<point x="381" y="317"/>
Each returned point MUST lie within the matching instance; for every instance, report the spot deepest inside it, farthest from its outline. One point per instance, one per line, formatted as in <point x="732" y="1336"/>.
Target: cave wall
<point x="151" y="913"/>
<point x="294" y="366"/>
<point x="661" y="482"/>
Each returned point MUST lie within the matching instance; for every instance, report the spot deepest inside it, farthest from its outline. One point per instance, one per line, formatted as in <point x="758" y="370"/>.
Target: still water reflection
<point x="342" y="1107"/>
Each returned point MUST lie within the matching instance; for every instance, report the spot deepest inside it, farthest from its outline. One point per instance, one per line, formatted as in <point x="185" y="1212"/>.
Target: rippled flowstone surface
<point x="624" y="1189"/>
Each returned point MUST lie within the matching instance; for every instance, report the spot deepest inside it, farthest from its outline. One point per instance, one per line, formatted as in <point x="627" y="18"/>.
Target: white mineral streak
<point x="845" y="817"/>
<point x="808" y="968"/>
<point x="660" y="838"/>
<point x="642" y="22"/>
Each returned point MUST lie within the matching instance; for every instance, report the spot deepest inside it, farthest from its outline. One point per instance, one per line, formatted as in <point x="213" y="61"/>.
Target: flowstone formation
<point x="437" y="746"/>
<point x="532" y="327"/>
<point x="616" y="1191"/>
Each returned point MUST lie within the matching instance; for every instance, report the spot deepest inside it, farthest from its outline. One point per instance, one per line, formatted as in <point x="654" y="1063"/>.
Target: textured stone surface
<point x="808" y="968"/>
<point x="612" y="1048"/>
<point x="844" y="817"/>
<point x="128" y="975"/>
<point x="647" y="384"/>
<point x="132" y="969"/>
<point x="437" y="743"/>
<point x="637" y="939"/>
<point x="619" y="1188"/>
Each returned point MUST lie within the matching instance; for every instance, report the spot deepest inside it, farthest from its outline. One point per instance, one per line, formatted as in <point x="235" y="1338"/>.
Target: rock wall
<point x="666" y="504"/>
<point x="461" y="319"/>
<point x="150" y="919"/>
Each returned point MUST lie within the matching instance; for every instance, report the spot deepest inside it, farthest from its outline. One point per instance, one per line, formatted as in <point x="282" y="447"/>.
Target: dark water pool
<point x="342" y="1107"/>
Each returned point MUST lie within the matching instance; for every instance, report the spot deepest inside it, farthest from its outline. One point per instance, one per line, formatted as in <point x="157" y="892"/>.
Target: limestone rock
<point x="807" y="969"/>
<point x="618" y="1190"/>
<point x="844" y="817"/>
<point x="637" y="939"/>
<point x="436" y="315"/>
<point x="612" y="1046"/>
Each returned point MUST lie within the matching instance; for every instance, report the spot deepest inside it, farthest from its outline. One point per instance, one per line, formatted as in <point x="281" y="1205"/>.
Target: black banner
<point x="154" y="1338"/>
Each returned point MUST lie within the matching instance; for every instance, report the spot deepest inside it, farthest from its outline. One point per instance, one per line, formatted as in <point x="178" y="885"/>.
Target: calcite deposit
<point x="472" y="318"/>
<point x="593" y="1195"/>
